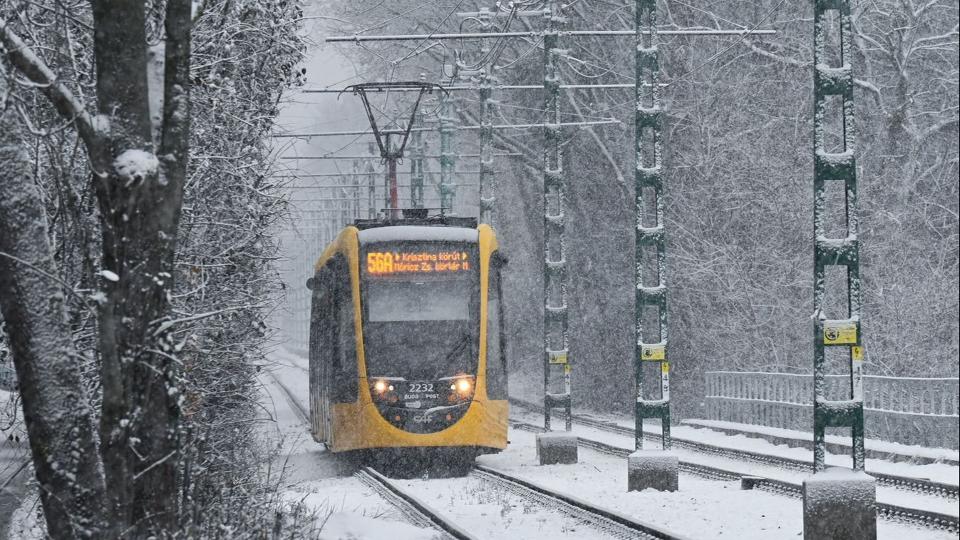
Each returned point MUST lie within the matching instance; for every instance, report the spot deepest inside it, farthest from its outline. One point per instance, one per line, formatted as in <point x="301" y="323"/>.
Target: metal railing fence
<point x="909" y="410"/>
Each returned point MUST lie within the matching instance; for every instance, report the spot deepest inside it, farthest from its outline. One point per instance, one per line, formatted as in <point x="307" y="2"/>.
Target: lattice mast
<point x="651" y="343"/>
<point x="555" y="330"/>
<point x="371" y="185"/>
<point x="418" y="155"/>
<point x="486" y="181"/>
<point x="448" y="118"/>
<point x="835" y="80"/>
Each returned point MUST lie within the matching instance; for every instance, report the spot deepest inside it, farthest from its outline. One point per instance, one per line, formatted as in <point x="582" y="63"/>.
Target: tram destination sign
<point x="418" y="261"/>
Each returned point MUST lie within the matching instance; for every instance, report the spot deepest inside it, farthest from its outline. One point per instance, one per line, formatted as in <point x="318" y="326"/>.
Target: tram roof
<point x="401" y="233"/>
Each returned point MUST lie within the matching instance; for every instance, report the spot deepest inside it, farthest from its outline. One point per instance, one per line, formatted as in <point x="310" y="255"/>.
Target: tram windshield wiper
<point x="457" y="349"/>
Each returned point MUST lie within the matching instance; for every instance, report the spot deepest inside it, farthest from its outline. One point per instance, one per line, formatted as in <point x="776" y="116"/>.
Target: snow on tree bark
<point x="57" y="410"/>
<point x="220" y="284"/>
<point x="139" y="211"/>
<point x="139" y="219"/>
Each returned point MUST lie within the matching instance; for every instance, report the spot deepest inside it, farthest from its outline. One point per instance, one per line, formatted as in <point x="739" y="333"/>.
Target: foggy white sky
<point x="301" y="113"/>
<point x="302" y="239"/>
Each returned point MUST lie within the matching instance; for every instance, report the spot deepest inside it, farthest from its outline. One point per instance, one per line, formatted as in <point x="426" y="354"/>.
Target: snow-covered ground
<point x="893" y="448"/>
<point x="16" y="518"/>
<point x="487" y="510"/>
<point x="345" y="507"/>
<point x="700" y="509"/>
<point x="939" y="472"/>
<point x="324" y="483"/>
<point x="885" y="494"/>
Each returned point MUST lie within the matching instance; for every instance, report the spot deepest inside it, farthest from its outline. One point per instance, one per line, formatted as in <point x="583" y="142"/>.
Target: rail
<point x="888" y="511"/>
<point x="291" y="400"/>
<point x="598" y="517"/>
<point x="415" y="509"/>
<point x="918" y="485"/>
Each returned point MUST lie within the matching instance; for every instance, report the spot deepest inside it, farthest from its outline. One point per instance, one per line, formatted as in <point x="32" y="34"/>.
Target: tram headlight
<point x="380" y="386"/>
<point x="461" y="389"/>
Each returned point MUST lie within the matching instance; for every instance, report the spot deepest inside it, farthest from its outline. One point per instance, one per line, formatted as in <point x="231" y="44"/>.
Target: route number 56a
<point x="379" y="263"/>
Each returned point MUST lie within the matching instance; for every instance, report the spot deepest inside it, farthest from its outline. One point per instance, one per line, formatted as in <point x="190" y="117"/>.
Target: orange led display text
<point x="389" y="263"/>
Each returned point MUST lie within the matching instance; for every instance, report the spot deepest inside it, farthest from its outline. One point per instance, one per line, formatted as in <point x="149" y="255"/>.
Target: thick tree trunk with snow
<point x="140" y="196"/>
<point x="57" y="411"/>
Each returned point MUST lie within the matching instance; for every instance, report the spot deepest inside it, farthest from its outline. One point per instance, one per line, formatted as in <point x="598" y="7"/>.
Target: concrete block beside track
<point x="652" y="469"/>
<point x="839" y="504"/>
<point x="557" y="447"/>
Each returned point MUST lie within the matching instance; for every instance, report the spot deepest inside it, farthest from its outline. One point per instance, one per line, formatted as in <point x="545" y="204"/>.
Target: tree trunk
<point x="140" y="198"/>
<point x="56" y="410"/>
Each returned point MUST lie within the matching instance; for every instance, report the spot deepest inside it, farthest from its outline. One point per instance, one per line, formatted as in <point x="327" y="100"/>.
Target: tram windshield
<point x="421" y="309"/>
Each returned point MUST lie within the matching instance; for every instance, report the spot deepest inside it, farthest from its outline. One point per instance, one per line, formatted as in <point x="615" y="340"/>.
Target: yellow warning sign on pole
<point x="653" y="352"/>
<point x="839" y="333"/>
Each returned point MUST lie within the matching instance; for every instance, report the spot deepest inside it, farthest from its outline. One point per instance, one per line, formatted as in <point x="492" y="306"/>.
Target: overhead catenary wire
<point x="463" y="128"/>
<point x="498" y="47"/>
<point x="501" y="36"/>
<point x="464" y="88"/>
<point x="365" y="186"/>
<point x="537" y="33"/>
<point x="429" y="36"/>
<point x="743" y="34"/>
<point x="376" y="157"/>
<point x="345" y="174"/>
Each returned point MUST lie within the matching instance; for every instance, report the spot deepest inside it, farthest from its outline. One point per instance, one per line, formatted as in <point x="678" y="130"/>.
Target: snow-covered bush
<point x="244" y="57"/>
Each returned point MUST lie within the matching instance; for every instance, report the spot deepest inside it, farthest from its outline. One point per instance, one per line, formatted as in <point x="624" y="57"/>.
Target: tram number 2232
<point x="379" y="263"/>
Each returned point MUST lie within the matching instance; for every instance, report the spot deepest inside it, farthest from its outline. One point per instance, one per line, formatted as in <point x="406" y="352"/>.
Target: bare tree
<point x="139" y="183"/>
<point x="58" y="417"/>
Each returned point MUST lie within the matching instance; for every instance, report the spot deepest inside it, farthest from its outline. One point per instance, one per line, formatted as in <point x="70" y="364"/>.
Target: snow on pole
<point x="835" y="165"/>
<point x="555" y="335"/>
<point x="371" y="186"/>
<point x="650" y="344"/>
<point x="656" y="468"/>
<point x="448" y="156"/>
<point x="486" y="82"/>
<point x="416" y="160"/>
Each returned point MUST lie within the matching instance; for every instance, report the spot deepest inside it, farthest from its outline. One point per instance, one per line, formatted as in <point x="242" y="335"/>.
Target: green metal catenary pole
<point x="372" y="187"/>
<point x="830" y="80"/>
<point x="448" y="156"/>
<point x="417" y="153"/>
<point x="555" y="335"/>
<point x="650" y="236"/>
<point x="487" y="80"/>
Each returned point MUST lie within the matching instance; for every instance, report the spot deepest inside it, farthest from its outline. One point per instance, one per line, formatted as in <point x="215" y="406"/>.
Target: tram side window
<point x="322" y="323"/>
<point x="318" y="327"/>
<point x="345" y="371"/>
<point x="496" y="352"/>
<point x="316" y="320"/>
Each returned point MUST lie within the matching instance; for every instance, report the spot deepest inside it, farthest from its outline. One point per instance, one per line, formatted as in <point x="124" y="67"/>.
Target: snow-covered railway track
<point x="918" y="485"/>
<point x="292" y="400"/>
<point x="412" y="507"/>
<point x="889" y="511"/>
<point x="615" y="524"/>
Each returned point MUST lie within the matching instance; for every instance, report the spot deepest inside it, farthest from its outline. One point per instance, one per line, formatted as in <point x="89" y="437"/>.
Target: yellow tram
<point x="406" y="339"/>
